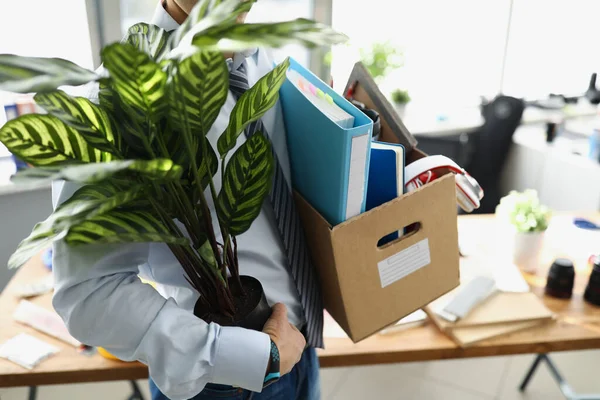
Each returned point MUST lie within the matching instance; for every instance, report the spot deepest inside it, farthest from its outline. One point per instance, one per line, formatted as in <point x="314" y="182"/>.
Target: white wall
<point x="19" y="212"/>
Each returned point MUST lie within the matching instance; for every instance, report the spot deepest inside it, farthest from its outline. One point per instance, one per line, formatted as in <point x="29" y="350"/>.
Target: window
<point x="452" y="50"/>
<point x="283" y="10"/>
<point x="38" y="28"/>
<point x="134" y="11"/>
<point x="552" y="47"/>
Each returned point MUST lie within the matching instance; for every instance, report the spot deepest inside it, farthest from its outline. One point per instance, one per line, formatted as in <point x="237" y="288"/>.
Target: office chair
<point x="492" y="143"/>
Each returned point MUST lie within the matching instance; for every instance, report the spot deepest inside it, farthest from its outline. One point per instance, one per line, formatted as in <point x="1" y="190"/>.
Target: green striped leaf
<point x="106" y="96"/>
<point x="44" y="140"/>
<point x="135" y="135"/>
<point x="139" y="81"/>
<point x="208" y="165"/>
<point x="252" y="105"/>
<point x="158" y="169"/>
<point x="38" y="74"/>
<point x="206" y="252"/>
<point x="236" y="37"/>
<point x="86" y="202"/>
<point x="32" y="246"/>
<point x="91" y="121"/>
<point x="198" y="90"/>
<point x="122" y="227"/>
<point x="246" y="183"/>
<point x="148" y="38"/>
<point x="204" y="15"/>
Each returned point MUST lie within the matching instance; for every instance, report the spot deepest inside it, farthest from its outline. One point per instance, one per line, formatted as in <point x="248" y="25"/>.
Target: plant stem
<point x="206" y="211"/>
<point x="235" y="271"/>
<point x="188" y="211"/>
<point x="189" y="260"/>
<point x="173" y="228"/>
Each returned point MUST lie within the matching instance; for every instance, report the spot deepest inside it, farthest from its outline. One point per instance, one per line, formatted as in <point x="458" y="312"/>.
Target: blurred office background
<point x="498" y="85"/>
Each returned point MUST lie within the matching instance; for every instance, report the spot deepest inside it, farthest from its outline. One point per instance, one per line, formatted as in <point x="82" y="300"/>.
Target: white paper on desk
<point x="44" y="321"/>
<point x="506" y="275"/>
<point x="509" y="279"/>
<point x="38" y="288"/>
<point x="413" y="320"/>
<point x="26" y="350"/>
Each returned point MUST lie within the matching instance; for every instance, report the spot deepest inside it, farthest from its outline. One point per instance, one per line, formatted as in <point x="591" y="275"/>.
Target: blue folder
<point x="329" y="164"/>
<point x="386" y="178"/>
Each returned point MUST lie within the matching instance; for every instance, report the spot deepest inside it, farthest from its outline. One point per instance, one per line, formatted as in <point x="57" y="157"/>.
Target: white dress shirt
<point x="100" y="297"/>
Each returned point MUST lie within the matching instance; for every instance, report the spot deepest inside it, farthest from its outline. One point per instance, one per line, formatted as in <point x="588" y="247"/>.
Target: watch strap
<point x="274" y="371"/>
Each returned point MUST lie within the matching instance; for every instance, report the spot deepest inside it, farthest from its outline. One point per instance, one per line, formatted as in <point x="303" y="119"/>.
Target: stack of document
<point x="492" y="300"/>
<point x="323" y="101"/>
<point x="329" y="144"/>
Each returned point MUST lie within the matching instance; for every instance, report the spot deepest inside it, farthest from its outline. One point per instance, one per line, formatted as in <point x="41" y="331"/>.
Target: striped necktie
<point x="289" y="227"/>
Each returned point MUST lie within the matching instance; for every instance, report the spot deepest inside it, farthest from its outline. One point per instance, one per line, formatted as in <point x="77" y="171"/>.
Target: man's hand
<point x="290" y="342"/>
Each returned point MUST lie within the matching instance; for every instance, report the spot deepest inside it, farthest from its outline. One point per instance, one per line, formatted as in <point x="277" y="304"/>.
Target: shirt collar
<point x="163" y="19"/>
<point x="240" y="57"/>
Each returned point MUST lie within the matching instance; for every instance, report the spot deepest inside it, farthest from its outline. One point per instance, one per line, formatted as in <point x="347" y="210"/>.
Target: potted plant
<point x="142" y="153"/>
<point x="400" y="98"/>
<point x="527" y="220"/>
<point x="381" y="59"/>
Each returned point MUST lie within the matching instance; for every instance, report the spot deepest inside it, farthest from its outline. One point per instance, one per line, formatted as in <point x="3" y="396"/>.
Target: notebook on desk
<point x="329" y="143"/>
<point x="510" y="308"/>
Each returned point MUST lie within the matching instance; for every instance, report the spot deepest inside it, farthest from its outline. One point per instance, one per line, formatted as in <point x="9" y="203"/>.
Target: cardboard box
<point x="367" y="288"/>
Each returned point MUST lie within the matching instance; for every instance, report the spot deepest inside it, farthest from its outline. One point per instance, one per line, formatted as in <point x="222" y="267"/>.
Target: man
<point x="103" y="302"/>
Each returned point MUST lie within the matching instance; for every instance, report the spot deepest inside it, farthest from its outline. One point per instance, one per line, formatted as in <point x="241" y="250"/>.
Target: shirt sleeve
<point x="103" y="303"/>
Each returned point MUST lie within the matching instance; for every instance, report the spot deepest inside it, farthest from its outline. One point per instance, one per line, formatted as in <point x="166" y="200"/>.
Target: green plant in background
<point x="380" y="59"/>
<point x="524" y="211"/>
<point x="142" y="155"/>
<point x="400" y="96"/>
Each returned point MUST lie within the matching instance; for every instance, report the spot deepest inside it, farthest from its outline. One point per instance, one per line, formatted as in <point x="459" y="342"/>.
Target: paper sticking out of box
<point x="413" y="320"/>
<point x="44" y="321"/>
<point x="26" y="350"/>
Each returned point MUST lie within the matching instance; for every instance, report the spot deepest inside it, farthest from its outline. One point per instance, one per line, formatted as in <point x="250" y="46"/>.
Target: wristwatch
<point x="273" y="373"/>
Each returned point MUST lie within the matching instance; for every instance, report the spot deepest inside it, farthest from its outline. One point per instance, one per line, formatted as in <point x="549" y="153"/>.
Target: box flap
<point x="365" y="90"/>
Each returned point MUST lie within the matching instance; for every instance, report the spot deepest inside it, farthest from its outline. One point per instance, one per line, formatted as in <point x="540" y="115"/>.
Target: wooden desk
<point x="576" y="328"/>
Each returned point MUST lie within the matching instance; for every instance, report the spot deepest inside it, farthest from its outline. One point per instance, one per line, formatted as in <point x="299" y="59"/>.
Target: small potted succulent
<point x="527" y="220"/>
<point x="400" y="98"/>
<point x="142" y="154"/>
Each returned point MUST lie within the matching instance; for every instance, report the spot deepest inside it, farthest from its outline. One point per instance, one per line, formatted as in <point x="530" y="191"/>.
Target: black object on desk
<point x="592" y="291"/>
<point x="592" y="93"/>
<point x="561" y="279"/>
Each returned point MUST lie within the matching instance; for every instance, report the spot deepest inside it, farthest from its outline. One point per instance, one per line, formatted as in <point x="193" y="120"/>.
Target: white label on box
<point x="404" y="263"/>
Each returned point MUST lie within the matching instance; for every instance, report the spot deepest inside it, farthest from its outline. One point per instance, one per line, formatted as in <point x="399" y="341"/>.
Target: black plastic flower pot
<point x="251" y="308"/>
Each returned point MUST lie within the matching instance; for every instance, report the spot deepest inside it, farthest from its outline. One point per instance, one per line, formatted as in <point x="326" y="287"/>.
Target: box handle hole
<point x="399" y="235"/>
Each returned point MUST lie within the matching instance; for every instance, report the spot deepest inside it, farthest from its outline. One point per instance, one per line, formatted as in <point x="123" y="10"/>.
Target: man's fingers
<point x="279" y="311"/>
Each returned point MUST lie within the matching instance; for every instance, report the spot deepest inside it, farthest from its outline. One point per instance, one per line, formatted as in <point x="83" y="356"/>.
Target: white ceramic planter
<point x="400" y="109"/>
<point x="526" y="250"/>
